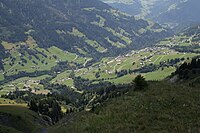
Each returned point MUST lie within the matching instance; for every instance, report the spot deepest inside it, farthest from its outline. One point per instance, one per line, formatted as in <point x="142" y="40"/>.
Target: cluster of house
<point x="35" y="67"/>
<point x="63" y="79"/>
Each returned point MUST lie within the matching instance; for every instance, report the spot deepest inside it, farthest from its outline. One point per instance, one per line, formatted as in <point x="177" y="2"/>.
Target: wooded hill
<point x="83" y="26"/>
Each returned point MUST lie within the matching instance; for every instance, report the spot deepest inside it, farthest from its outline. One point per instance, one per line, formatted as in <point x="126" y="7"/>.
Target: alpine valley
<point x="99" y="66"/>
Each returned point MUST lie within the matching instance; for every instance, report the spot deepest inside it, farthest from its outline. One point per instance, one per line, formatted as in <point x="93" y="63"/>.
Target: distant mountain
<point x="181" y="12"/>
<point x="132" y="7"/>
<point x="85" y="27"/>
<point x="171" y="12"/>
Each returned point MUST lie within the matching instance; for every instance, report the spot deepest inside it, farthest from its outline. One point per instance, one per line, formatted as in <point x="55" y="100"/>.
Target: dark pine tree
<point x="140" y="82"/>
<point x="33" y="105"/>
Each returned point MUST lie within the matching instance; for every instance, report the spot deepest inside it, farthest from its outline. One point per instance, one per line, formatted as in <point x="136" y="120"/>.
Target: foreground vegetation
<point x="162" y="107"/>
<point x="18" y="119"/>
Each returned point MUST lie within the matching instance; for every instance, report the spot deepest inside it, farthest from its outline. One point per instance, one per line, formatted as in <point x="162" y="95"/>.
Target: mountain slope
<point x="18" y="119"/>
<point x="163" y="107"/>
<point x="171" y="12"/>
<point x="74" y="25"/>
<point x="182" y="12"/>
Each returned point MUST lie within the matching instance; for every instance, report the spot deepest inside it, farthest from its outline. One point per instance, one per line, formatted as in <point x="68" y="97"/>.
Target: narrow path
<point x="93" y="98"/>
<point x="156" y="60"/>
<point x="161" y="58"/>
<point x="12" y="67"/>
<point x="115" y="66"/>
<point x="75" y="58"/>
<point x="85" y="62"/>
<point x="103" y="51"/>
<point x="121" y="67"/>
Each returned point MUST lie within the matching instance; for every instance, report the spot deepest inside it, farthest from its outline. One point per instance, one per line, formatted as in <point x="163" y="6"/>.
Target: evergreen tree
<point x="33" y="105"/>
<point x="140" y="82"/>
<point x="56" y="111"/>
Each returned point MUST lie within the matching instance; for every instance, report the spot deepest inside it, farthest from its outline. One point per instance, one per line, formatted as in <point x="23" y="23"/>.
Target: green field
<point x="106" y="68"/>
<point x="27" y="82"/>
<point x="159" y="74"/>
<point x="63" y="55"/>
<point x="123" y="80"/>
<point x="41" y="63"/>
<point x="1" y="77"/>
<point x="6" y="101"/>
<point x="63" y="78"/>
<point x="182" y="41"/>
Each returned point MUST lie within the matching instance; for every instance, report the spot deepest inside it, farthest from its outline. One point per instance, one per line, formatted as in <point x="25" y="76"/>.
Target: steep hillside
<point x="132" y="7"/>
<point x="18" y="119"/>
<point x="182" y="12"/>
<point x="83" y="26"/>
<point x="170" y="12"/>
<point x="165" y="106"/>
<point x="162" y="107"/>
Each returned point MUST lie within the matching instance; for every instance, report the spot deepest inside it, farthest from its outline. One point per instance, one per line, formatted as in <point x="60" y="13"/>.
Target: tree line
<point x="187" y="70"/>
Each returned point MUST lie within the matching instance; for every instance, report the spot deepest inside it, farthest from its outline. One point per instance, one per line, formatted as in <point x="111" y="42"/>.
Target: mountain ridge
<point x="170" y="12"/>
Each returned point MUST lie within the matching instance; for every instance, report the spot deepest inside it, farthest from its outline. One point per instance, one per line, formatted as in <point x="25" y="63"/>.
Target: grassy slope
<point x="4" y="129"/>
<point x="159" y="74"/>
<point x="43" y="63"/>
<point x="124" y="79"/>
<point x="18" y="118"/>
<point x="21" y="82"/>
<point x="164" y="107"/>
